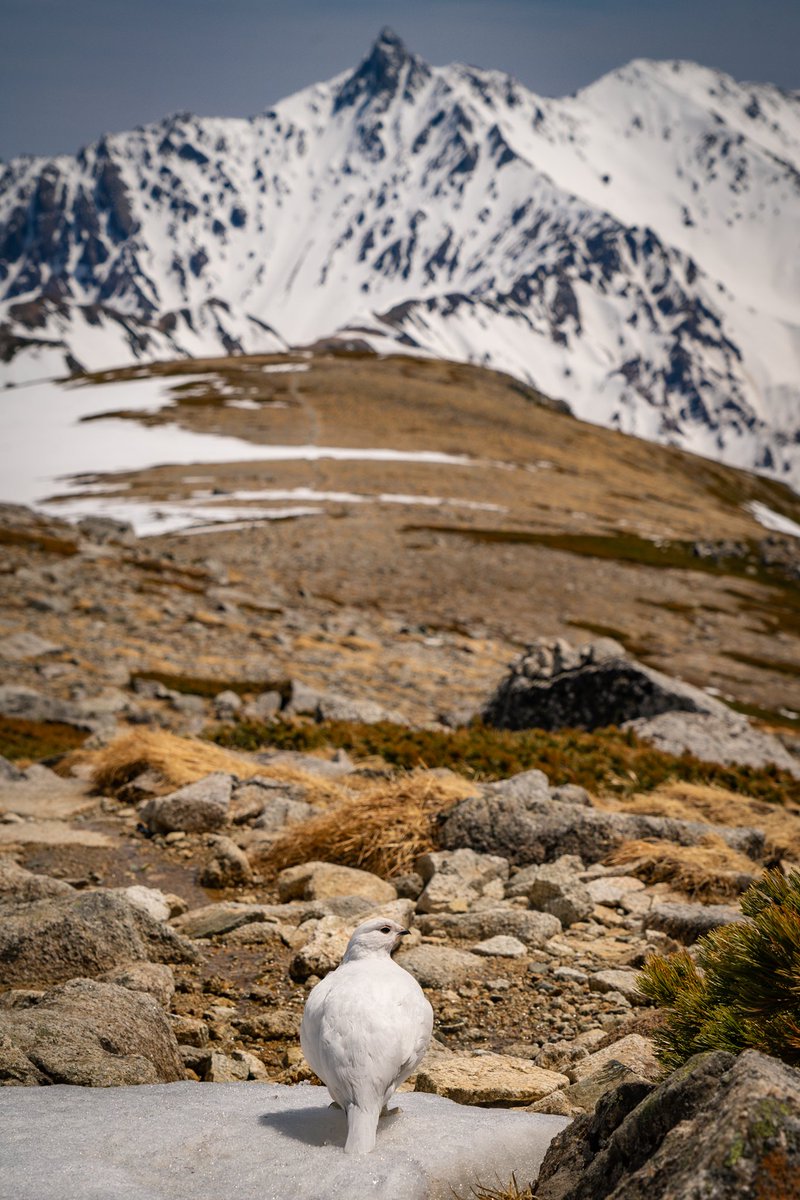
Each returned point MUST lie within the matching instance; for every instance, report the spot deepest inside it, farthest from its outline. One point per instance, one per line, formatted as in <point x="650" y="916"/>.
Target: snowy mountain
<point x="633" y="250"/>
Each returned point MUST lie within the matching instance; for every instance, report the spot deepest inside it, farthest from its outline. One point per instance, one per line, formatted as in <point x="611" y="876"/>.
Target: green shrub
<point x="743" y="990"/>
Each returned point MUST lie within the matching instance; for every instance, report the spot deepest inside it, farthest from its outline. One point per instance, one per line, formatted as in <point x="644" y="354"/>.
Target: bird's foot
<point x="387" y="1112"/>
<point x="333" y="1104"/>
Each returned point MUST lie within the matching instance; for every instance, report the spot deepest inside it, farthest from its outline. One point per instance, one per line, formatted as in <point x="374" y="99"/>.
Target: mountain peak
<point x="379" y="76"/>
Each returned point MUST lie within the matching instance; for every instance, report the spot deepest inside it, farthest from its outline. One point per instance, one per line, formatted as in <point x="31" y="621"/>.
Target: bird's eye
<point x="386" y="929"/>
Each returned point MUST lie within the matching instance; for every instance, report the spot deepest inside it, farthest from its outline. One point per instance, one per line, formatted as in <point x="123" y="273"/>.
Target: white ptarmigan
<point x="365" y="1029"/>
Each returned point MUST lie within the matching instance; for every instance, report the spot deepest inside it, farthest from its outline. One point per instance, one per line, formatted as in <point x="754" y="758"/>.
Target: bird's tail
<point x="362" y="1125"/>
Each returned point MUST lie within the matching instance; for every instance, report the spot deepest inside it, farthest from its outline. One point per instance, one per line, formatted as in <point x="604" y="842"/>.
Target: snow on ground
<point x="772" y="520"/>
<point x="57" y="440"/>
<point x="256" y="1141"/>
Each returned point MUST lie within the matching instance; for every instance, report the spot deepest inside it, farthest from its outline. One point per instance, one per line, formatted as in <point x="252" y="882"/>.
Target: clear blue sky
<point x="72" y="69"/>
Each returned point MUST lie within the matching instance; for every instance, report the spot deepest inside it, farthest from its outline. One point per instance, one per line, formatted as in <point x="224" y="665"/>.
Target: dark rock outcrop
<point x="554" y="685"/>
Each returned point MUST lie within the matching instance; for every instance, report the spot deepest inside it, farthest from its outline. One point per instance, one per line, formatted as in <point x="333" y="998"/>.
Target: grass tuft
<point x="179" y="761"/>
<point x="710" y="872"/>
<point x="511" y="1191"/>
<point x="382" y="828"/>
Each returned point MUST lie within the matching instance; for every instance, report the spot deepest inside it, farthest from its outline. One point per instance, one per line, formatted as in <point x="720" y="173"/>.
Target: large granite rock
<point x="687" y="922"/>
<point x="720" y="1128"/>
<point x="324" y="880"/>
<point x="88" y="1033"/>
<point x="85" y="933"/>
<point x="440" y="966"/>
<point x="529" y="825"/>
<point x="554" y="685"/>
<point x="554" y="888"/>
<point x="256" y="1142"/>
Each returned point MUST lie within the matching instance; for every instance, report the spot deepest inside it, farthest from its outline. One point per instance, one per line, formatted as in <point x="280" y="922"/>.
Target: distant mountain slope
<point x="633" y="250"/>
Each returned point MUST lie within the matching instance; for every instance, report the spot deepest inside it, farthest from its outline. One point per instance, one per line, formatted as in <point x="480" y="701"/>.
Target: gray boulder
<point x="687" y="922"/>
<point x="721" y="1127"/>
<point x="199" y="807"/>
<point x="156" y="979"/>
<point x="89" y="1033"/>
<point x="456" y="879"/>
<point x="27" y="703"/>
<point x="727" y="738"/>
<point x="554" y="888"/>
<point x="229" y="866"/>
<point x="532" y="928"/>
<point x="554" y="685"/>
<point x="333" y="706"/>
<point x="18" y="884"/>
<point x="85" y="933"/>
<point x="440" y="966"/>
<point x="534" y="828"/>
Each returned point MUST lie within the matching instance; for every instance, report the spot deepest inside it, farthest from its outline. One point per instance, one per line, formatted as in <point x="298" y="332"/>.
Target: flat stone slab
<point x="51" y="833"/>
<point x="254" y="1141"/>
<point x="47" y="799"/>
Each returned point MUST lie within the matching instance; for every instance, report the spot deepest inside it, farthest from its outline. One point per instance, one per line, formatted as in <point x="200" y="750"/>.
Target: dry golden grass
<point x="710" y="872"/>
<point x="700" y="802"/>
<point x="382" y="828"/>
<point x="511" y="1192"/>
<point x="179" y="761"/>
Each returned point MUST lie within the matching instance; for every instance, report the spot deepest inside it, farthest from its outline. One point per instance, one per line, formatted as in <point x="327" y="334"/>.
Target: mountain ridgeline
<point x="631" y="250"/>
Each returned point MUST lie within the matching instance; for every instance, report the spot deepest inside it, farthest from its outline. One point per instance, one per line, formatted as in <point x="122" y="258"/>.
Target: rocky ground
<point x="166" y="904"/>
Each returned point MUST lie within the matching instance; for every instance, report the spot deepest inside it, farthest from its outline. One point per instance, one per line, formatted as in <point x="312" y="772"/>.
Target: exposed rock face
<point x="555" y="685"/>
<point x="197" y="808"/>
<point x="86" y="933"/>
<point x="721" y="1127"/>
<point x="89" y="1033"/>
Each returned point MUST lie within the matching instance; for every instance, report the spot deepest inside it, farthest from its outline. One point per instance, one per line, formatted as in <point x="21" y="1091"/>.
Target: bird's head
<point x="379" y="936"/>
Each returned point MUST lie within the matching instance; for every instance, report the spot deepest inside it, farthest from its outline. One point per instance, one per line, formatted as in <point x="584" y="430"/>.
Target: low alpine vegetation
<point x="742" y="989"/>
<point x="611" y="761"/>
